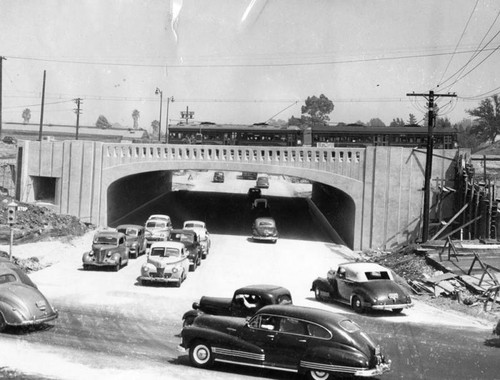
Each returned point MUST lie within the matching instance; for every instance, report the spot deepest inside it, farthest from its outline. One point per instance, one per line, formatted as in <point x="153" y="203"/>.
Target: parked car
<point x="21" y="303"/>
<point x="262" y="182"/>
<point x="109" y="249"/>
<point x="249" y="175"/>
<point x="157" y="228"/>
<point x="167" y="263"/>
<point x="253" y="193"/>
<point x="364" y="286"/>
<point x="135" y="239"/>
<point x="190" y="240"/>
<point x="203" y="236"/>
<point x="264" y="229"/>
<point x="9" y="140"/>
<point x="218" y="177"/>
<point x="245" y="302"/>
<point x="314" y="342"/>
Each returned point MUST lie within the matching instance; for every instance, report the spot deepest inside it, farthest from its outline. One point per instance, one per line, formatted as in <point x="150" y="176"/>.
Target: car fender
<point x="9" y="316"/>
<point x="217" y="338"/>
<point x="147" y="268"/>
<point x="191" y="314"/>
<point x="343" y="355"/>
<point x="86" y="256"/>
<point x="322" y="284"/>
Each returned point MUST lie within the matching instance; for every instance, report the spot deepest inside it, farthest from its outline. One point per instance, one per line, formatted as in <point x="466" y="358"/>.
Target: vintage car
<point x="314" y="342"/>
<point x="218" y="177"/>
<point x="245" y="302"/>
<point x="262" y="183"/>
<point x="253" y="193"/>
<point x="362" y="285"/>
<point x="157" y="228"/>
<point x="190" y="240"/>
<point x="249" y="175"/>
<point x="203" y="236"/>
<point x="109" y="249"/>
<point x="264" y="229"/>
<point x="135" y="239"/>
<point x="21" y="303"/>
<point x="167" y="263"/>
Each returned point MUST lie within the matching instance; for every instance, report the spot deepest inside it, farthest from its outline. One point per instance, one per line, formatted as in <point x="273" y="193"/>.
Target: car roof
<point x="311" y="314"/>
<point x="182" y="231"/>
<point x="262" y="288"/>
<point x="159" y="216"/>
<point x="194" y="222"/>
<point x="265" y="219"/>
<point x="109" y="233"/>
<point x="363" y="266"/>
<point x="129" y="226"/>
<point x="167" y="244"/>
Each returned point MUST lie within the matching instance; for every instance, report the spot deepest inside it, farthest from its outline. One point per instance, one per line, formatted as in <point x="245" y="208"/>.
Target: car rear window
<point x="128" y="231"/>
<point x="382" y="275"/>
<point x="349" y="325"/>
<point x="5" y="278"/>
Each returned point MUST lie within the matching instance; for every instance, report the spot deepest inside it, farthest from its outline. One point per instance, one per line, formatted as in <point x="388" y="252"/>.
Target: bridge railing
<point x="344" y="161"/>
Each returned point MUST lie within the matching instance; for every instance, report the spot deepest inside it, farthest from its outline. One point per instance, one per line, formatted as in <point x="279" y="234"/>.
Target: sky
<point x="245" y="61"/>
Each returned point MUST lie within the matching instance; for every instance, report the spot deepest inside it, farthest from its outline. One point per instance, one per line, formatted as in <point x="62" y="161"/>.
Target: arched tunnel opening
<point x="338" y="209"/>
<point x="329" y="210"/>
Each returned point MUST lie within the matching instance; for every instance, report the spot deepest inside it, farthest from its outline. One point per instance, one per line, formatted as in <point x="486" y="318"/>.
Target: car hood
<point x="162" y="262"/>
<point x="28" y="300"/>
<point x="215" y="305"/>
<point x="131" y="239"/>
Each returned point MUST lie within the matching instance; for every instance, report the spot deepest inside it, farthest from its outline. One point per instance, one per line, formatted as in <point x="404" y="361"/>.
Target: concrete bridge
<point x="371" y="196"/>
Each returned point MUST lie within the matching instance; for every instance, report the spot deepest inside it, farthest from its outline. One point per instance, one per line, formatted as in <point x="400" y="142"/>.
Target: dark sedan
<point x="245" y="302"/>
<point x="363" y="286"/>
<point x="289" y="338"/>
<point x="190" y="240"/>
<point x="21" y="303"/>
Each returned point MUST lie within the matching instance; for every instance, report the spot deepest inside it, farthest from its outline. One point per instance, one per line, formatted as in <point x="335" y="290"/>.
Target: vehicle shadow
<point x="492" y="342"/>
<point x="24" y="330"/>
<point x="239" y="370"/>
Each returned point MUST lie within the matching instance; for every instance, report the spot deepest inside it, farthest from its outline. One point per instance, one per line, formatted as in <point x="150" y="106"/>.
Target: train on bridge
<point x="261" y="134"/>
<point x="343" y="135"/>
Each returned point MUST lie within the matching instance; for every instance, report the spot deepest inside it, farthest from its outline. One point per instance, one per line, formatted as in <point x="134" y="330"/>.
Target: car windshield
<point x="184" y="238"/>
<point x="266" y="224"/>
<point x="165" y="252"/>
<point x="108" y="240"/>
<point x="156" y="224"/>
<point x="128" y="231"/>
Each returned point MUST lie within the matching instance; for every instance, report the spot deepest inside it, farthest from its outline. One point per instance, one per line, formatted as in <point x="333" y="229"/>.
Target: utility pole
<point x="78" y="112"/>
<point x="43" y="105"/>
<point x="187" y="114"/>
<point x="431" y="97"/>
<point x="1" y="96"/>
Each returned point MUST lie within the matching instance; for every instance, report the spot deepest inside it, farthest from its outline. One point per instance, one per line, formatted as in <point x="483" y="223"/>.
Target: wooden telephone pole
<point x="431" y="97"/>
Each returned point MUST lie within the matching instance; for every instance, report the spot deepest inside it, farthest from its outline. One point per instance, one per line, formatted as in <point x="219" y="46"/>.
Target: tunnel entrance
<point x="338" y="209"/>
<point x="128" y="194"/>
<point x="44" y="188"/>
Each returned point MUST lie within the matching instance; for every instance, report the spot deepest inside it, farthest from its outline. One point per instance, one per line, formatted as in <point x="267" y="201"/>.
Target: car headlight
<point x="175" y="270"/>
<point x="108" y="254"/>
<point x="145" y="268"/>
<point x="147" y="234"/>
<point x="91" y="253"/>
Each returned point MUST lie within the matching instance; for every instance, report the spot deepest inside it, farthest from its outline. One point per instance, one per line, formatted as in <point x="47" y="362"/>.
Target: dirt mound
<point x="35" y="223"/>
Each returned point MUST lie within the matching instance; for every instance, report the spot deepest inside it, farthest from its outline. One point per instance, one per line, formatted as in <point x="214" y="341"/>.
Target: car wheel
<point x="318" y="375"/>
<point x="397" y="311"/>
<point x="3" y="324"/>
<point x="201" y="355"/>
<point x="86" y="267"/>
<point x="317" y="294"/>
<point x="117" y="267"/>
<point x="356" y="304"/>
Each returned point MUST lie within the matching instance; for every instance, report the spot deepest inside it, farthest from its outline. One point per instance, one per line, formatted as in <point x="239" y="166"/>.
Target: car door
<point x="261" y="331"/>
<point x="345" y="285"/>
<point x="291" y="343"/>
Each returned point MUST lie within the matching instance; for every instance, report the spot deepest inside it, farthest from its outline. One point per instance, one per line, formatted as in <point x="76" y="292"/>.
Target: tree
<point x="412" y="120"/>
<point x="465" y="138"/>
<point x="376" y="122"/>
<point x="26" y="115"/>
<point x="397" y="123"/>
<point x="442" y="123"/>
<point x="155" y="125"/>
<point x="315" y="111"/>
<point x="488" y="119"/>
<point x="135" y="116"/>
<point x="102" y="122"/>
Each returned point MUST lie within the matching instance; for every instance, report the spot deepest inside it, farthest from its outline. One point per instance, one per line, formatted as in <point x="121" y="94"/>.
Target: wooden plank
<point x="441" y="277"/>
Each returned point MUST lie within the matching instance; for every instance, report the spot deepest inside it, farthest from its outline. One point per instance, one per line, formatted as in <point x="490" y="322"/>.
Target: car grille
<point x="99" y="255"/>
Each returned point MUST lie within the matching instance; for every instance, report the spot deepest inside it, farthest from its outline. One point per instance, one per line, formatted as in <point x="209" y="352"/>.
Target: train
<point x="342" y="135"/>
